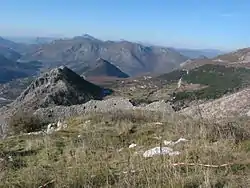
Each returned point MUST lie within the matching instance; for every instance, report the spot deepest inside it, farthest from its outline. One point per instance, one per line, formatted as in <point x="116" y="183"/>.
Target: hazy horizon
<point x="182" y="24"/>
<point x="21" y="39"/>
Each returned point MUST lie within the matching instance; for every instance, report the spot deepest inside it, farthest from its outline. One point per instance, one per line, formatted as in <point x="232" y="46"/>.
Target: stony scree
<point x="108" y="105"/>
<point x="161" y="106"/>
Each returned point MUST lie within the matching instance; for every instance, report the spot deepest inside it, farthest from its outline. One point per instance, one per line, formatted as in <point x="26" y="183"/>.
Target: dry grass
<point x="89" y="154"/>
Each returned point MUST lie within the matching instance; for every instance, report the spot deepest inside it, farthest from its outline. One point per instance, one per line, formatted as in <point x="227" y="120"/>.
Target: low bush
<point x="25" y="122"/>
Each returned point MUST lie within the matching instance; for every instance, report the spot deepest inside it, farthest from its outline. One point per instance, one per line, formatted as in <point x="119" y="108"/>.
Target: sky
<point x="220" y="24"/>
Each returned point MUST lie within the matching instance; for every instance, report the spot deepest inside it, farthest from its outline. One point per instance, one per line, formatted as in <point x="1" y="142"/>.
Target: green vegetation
<point x="93" y="152"/>
<point x="219" y="80"/>
<point x="212" y="82"/>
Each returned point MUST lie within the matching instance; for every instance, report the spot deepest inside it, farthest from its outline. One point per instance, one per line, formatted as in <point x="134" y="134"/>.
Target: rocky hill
<point x="230" y="106"/>
<point x="104" y="68"/>
<point x="239" y="58"/>
<point x="60" y="86"/>
<point x="131" y="58"/>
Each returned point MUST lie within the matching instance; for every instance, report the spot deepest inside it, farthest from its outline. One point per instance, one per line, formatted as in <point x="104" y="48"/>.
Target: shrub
<point x="24" y="122"/>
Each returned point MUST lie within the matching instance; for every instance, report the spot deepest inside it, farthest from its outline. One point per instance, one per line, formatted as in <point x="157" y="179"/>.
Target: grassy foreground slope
<point x="93" y="152"/>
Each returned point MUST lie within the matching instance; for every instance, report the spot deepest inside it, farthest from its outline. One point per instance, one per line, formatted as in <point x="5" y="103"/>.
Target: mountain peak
<point x="86" y="36"/>
<point x="105" y="68"/>
<point x="59" y="86"/>
<point x="100" y="61"/>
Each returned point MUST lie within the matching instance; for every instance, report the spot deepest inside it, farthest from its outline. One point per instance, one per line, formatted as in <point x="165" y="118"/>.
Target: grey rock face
<point x="60" y="86"/>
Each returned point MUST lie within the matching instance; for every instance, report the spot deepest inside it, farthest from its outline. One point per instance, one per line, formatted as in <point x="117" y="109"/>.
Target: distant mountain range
<point x="118" y="58"/>
<point x="31" y="40"/>
<point x="197" y="53"/>
<point x="81" y="51"/>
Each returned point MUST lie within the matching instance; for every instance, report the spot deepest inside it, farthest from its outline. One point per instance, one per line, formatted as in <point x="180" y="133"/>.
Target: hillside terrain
<point x="12" y="89"/>
<point x="10" y="70"/>
<point x="10" y="54"/>
<point x="132" y="136"/>
<point x="17" y="47"/>
<point x="60" y="86"/>
<point x="219" y="79"/>
<point x="201" y="84"/>
<point x="99" y="127"/>
<point x="239" y="58"/>
<point x="230" y="106"/>
<point x="131" y="58"/>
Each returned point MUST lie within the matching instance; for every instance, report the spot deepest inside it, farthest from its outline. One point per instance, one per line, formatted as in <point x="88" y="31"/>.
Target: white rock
<point x="160" y="151"/>
<point x="179" y="83"/>
<point x="248" y="113"/>
<point x="10" y="158"/>
<point x="50" y="128"/>
<point x="157" y="137"/>
<point x="35" y="133"/>
<point x="88" y="121"/>
<point x="174" y="153"/>
<point x="166" y="143"/>
<point x="171" y="143"/>
<point x="132" y="145"/>
<point x="158" y="123"/>
<point x="59" y="125"/>
<point x="181" y="140"/>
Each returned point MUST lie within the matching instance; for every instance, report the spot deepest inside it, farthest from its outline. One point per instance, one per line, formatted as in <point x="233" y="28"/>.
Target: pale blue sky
<point x="222" y="24"/>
